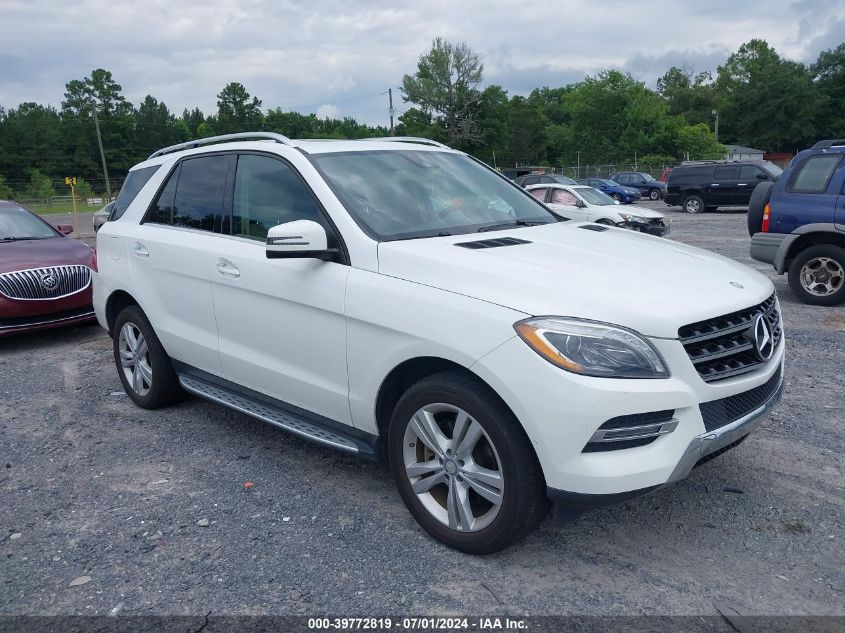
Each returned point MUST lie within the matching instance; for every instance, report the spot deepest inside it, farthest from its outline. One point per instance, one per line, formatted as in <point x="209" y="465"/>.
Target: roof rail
<point x="221" y="139"/>
<point x="827" y="144"/>
<point x="406" y="139"/>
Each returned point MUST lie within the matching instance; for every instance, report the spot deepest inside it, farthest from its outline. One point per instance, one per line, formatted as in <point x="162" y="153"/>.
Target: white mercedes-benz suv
<point x="393" y="297"/>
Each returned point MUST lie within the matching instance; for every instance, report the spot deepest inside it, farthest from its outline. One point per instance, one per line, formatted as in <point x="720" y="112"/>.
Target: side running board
<point x="328" y="433"/>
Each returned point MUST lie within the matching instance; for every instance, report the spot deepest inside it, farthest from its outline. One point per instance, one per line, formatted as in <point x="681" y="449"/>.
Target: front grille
<point x="724" y="346"/>
<point x="52" y="282"/>
<point x="718" y="413"/>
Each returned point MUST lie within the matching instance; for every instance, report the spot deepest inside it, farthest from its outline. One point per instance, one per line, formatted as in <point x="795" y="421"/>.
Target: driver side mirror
<point x="761" y="176"/>
<point x="303" y="239"/>
<point x="64" y="229"/>
<point x="580" y="204"/>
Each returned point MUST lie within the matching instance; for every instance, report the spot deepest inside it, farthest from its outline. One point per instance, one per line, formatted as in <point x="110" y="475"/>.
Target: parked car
<point x="625" y="195"/>
<point x="545" y="179"/>
<point x="642" y="182"/>
<point x="101" y="216"/>
<point x="397" y="298"/>
<point x="707" y="185"/>
<point x="585" y="203"/>
<point x="45" y="276"/>
<point x="664" y="175"/>
<point x="797" y="223"/>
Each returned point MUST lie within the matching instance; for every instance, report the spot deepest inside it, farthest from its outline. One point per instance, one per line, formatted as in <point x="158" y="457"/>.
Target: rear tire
<point x="817" y="275"/>
<point x="756" y="205"/>
<point x="693" y="204"/>
<point x="142" y="364"/>
<point x="654" y="194"/>
<point x="478" y="498"/>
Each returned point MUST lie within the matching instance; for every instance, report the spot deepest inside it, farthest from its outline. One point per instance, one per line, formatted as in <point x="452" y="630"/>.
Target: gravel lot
<point x="91" y="485"/>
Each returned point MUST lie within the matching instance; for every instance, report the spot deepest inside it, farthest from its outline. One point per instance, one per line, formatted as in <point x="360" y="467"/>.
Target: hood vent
<point x="494" y="243"/>
<point x="594" y="227"/>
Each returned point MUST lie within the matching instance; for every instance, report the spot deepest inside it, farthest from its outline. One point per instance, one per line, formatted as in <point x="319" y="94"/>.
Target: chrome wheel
<point x="654" y="194"/>
<point x="822" y="276"/>
<point x="135" y="359"/>
<point x="453" y="467"/>
<point x="692" y="206"/>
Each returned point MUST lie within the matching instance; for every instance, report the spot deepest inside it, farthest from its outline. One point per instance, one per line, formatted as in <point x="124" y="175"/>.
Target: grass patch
<point x="60" y="207"/>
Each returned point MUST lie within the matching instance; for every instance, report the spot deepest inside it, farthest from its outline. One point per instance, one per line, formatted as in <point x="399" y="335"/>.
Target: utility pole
<point x="716" y="132"/>
<point x="102" y="153"/>
<point x="391" y="111"/>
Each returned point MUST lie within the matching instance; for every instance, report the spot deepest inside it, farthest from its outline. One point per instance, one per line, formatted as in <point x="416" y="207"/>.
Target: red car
<point x="45" y="276"/>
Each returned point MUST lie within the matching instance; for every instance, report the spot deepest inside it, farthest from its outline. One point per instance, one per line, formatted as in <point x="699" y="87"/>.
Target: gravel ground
<point x="155" y="509"/>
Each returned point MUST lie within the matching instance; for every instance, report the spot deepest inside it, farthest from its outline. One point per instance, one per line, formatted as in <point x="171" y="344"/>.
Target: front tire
<point x="463" y="464"/>
<point x="693" y="204"/>
<point x="817" y="275"/>
<point x="143" y="366"/>
<point x="654" y="194"/>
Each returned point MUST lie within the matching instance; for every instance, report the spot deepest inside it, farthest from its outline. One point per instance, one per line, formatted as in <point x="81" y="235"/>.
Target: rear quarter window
<point x="135" y="181"/>
<point x="814" y="175"/>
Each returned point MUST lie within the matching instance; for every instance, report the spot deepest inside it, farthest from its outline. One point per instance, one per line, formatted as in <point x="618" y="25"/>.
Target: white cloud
<point x="297" y="55"/>
<point x="328" y="111"/>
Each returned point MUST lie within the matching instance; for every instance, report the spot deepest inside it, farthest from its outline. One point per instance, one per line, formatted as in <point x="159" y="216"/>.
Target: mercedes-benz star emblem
<point x="764" y="344"/>
<point x="49" y="281"/>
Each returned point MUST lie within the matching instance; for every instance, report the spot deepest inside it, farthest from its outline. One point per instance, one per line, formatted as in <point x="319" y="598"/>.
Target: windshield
<point x="773" y="169"/>
<point x="609" y="183"/>
<point x="564" y="180"/>
<point x="645" y="176"/>
<point x="17" y="223"/>
<point x="594" y="196"/>
<point x="406" y="194"/>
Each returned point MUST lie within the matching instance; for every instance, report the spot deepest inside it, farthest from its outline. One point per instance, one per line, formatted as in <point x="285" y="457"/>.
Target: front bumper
<point x="561" y="412"/>
<point x="45" y="321"/>
<point x="660" y="230"/>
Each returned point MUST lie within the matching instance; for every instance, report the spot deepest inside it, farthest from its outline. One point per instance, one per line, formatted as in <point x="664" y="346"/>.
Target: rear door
<point x="723" y="186"/>
<point x="170" y="256"/>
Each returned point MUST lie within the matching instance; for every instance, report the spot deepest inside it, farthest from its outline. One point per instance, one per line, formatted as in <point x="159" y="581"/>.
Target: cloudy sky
<point x="337" y="58"/>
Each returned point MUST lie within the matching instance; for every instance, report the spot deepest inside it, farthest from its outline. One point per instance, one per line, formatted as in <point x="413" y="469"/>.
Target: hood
<point x="649" y="284"/>
<point x="643" y="212"/>
<point x="54" y="251"/>
<point x="631" y="191"/>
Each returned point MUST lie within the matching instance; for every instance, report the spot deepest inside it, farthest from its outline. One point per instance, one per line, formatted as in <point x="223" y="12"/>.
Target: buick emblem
<point x="764" y="343"/>
<point x="49" y="281"/>
<point x="736" y="284"/>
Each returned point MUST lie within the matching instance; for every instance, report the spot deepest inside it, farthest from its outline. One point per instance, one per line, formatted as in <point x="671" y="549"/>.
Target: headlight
<point x="592" y="349"/>
<point x="637" y="219"/>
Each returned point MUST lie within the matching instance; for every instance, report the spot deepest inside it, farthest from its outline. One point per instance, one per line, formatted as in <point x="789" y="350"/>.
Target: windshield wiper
<point x="17" y="239"/>
<point x="512" y="223"/>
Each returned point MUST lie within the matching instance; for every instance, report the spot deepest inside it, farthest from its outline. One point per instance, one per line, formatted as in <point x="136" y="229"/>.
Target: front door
<point x="281" y="321"/>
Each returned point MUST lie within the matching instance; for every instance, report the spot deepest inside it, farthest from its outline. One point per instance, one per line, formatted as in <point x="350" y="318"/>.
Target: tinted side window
<point x="539" y="193"/>
<point x="725" y="173"/>
<point x="268" y="192"/>
<point x="132" y="186"/>
<point x="814" y="174"/>
<point x="161" y="211"/>
<point x="530" y="180"/>
<point x="749" y="172"/>
<point x="199" y="193"/>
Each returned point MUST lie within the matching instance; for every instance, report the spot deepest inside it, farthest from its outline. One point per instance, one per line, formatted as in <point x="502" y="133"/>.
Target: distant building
<point x="738" y="152"/>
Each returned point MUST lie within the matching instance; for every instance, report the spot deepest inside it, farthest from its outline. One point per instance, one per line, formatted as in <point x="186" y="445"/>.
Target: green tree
<point x="766" y="101"/>
<point x="39" y="186"/>
<point x="5" y="189"/>
<point x="191" y="120"/>
<point x="689" y="96"/>
<point x="156" y="127"/>
<point x="445" y="87"/>
<point x="698" y="142"/>
<point x="237" y="110"/>
<point x="829" y="75"/>
<point x="83" y="189"/>
<point x="528" y="131"/>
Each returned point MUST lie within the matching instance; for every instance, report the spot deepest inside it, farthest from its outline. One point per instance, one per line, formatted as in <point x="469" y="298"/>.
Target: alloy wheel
<point x="135" y="359"/>
<point x="822" y="276"/>
<point x="654" y="195"/>
<point x="453" y="467"/>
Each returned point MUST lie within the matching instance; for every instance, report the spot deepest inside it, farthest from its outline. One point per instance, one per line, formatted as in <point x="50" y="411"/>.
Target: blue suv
<point x="797" y="224"/>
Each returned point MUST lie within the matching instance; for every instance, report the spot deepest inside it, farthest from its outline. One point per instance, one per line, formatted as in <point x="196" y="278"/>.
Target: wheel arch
<point x="408" y="372"/>
<point x="117" y="301"/>
<point x="806" y="240"/>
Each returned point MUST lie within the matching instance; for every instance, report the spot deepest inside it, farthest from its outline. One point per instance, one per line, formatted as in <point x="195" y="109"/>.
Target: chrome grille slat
<point x="722" y="347"/>
<point x="26" y="285"/>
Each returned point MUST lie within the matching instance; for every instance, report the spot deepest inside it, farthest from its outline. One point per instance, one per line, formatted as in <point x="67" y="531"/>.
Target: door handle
<point x="140" y="250"/>
<point x="715" y="184"/>
<point x="741" y="184"/>
<point x="227" y="268"/>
